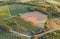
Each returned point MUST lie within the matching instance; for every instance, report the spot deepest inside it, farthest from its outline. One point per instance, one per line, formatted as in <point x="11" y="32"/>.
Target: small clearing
<point x="37" y="18"/>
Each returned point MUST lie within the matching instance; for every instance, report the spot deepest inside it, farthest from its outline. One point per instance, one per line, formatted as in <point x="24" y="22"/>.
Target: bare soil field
<point x="37" y="18"/>
<point x="53" y="23"/>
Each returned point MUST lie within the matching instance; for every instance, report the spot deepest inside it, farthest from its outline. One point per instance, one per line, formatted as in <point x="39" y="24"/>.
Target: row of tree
<point x="45" y="7"/>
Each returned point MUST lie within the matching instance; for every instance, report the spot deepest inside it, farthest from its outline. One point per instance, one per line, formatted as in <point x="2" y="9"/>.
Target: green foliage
<point x="4" y="11"/>
<point x="46" y="8"/>
<point x="52" y="35"/>
<point x="18" y="24"/>
<point x="18" y="8"/>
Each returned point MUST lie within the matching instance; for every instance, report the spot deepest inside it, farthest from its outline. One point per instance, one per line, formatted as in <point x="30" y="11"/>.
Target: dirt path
<point x="40" y="35"/>
<point x="25" y="0"/>
<point x="20" y="34"/>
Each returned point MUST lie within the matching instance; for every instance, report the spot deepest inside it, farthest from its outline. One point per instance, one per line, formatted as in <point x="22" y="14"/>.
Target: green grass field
<point x="4" y="11"/>
<point x="12" y="10"/>
<point x="18" y="8"/>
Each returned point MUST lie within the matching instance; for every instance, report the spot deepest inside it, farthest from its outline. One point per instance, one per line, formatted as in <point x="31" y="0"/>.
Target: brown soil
<point x="36" y="18"/>
<point x="54" y="23"/>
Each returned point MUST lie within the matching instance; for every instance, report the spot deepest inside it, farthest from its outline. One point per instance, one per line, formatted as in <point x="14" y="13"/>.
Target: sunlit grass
<point x="4" y="12"/>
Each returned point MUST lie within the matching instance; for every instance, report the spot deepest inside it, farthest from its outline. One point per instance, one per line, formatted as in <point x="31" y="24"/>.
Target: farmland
<point x="18" y="8"/>
<point x="12" y="22"/>
<point x="4" y="11"/>
<point x="7" y="36"/>
<point x="12" y="10"/>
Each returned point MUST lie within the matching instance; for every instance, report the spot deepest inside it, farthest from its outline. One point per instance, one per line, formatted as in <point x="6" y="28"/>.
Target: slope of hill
<point x="10" y="19"/>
